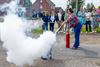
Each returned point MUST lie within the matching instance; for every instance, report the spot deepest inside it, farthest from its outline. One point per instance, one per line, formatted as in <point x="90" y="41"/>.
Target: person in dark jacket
<point x="45" y="19"/>
<point x="62" y="20"/>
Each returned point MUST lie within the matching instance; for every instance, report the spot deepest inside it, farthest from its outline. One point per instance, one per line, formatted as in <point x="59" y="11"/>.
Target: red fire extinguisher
<point x="68" y="38"/>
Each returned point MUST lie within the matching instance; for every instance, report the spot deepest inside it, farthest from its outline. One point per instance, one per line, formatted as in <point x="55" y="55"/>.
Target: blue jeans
<point x="45" y="26"/>
<point x="77" y="30"/>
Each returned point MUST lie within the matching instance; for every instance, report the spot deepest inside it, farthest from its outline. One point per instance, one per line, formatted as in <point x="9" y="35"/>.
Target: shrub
<point x="98" y="30"/>
<point x="37" y="31"/>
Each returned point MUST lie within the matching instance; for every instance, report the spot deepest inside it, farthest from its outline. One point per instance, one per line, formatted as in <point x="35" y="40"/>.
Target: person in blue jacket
<point x="81" y="16"/>
<point x="45" y="19"/>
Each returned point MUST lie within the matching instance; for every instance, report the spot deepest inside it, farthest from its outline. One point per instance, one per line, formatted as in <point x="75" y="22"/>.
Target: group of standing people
<point x="89" y="19"/>
<point x="85" y="17"/>
<point x="50" y="19"/>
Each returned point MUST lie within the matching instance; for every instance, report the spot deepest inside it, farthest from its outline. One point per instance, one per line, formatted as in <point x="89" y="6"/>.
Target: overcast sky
<point x="62" y="3"/>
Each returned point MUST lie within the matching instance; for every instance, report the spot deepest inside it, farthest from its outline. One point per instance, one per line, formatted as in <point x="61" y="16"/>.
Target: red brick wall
<point x="45" y="5"/>
<point x="36" y="5"/>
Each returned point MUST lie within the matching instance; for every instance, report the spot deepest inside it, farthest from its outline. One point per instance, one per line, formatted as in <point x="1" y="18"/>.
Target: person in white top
<point x="59" y="19"/>
<point x="88" y="21"/>
<point x="52" y="21"/>
<point x="59" y="16"/>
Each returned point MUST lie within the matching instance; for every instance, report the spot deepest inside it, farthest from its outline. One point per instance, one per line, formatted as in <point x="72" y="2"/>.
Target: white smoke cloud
<point x="32" y="1"/>
<point x="11" y="7"/>
<point x="22" y="49"/>
<point x="0" y="29"/>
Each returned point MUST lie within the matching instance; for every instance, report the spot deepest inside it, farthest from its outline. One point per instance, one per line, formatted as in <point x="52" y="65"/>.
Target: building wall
<point x="36" y="5"/>
<point x="45" y="6"/>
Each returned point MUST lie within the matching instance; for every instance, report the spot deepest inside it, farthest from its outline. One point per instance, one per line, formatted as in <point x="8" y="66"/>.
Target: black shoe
<point x="44" y="58"/>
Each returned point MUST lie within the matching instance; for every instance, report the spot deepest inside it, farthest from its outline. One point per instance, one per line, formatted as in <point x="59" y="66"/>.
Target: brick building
<point x="43" y="5"/>
<point x="36" y="7"/>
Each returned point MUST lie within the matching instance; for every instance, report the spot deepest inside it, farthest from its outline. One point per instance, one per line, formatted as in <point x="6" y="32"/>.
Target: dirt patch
<point x="98" y="63"/>
<point x="86" y="38"/>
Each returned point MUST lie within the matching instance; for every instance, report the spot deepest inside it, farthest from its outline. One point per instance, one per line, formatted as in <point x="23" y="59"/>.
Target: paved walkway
<point x="85" y="56"/>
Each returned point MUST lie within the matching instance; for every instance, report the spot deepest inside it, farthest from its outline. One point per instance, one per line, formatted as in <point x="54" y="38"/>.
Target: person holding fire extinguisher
<point x="73" y="22"/>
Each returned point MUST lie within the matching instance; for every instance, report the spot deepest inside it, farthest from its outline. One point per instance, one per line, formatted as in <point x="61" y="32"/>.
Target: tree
<point x="90" y="7"/>
<point x="27" y="3"/>
<point x="98" y="7"/>
<point x="77" y="3"/>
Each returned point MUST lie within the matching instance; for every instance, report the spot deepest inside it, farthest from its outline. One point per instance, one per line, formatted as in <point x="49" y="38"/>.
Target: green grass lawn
<point x="97" y="30"/>
<point x="40" y="31"/>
